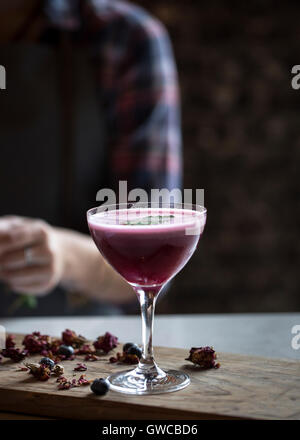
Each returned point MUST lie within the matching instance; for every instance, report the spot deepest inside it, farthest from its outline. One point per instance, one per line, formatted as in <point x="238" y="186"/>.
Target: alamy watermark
<point x="138" y="200"/>
<point x="187" y="196"/>
<point x="295" y="342"/>
<point x="296" y="79"/>
<point x="2" y="78"/>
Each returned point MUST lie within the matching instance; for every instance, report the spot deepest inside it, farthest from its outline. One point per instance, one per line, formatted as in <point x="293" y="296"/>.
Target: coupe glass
<point x="147" y="244"/>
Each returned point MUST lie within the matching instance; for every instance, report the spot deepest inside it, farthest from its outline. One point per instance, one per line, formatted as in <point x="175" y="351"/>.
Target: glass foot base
<point x="133" y="382"/>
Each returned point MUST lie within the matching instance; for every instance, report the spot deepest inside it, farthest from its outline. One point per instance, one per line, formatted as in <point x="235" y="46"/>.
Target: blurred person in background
<point x="91" y="99"/>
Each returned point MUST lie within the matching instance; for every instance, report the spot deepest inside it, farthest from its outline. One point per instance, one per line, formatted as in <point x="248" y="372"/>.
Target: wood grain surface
<point x="244" y="387"/>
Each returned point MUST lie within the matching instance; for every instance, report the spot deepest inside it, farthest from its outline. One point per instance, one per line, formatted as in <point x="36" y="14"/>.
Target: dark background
<point x="241" y="144"/>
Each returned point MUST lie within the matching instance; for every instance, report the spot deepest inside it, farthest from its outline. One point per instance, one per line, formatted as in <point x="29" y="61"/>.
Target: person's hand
<point x="31" y="259"/>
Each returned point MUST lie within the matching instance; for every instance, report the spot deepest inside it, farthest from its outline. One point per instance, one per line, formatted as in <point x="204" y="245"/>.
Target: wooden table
<point x="263" y="335"/>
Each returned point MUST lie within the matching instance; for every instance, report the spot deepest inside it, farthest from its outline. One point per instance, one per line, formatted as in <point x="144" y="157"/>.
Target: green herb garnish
<point x="28" y="301"/>
<point x="150" y="220"/>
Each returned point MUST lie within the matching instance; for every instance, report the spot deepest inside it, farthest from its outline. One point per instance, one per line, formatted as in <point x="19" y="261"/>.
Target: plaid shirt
<point x="137" y="76"/>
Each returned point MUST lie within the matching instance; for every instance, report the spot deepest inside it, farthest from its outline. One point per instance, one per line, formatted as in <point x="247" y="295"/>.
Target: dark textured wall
<point x="242" y="145"/>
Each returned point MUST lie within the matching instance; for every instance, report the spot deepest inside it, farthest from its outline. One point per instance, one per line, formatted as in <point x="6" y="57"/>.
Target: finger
<point x="22" y="236"/>
<point x="9" y="222"/>
<point x="35" y="289"/>
<point x="40" y="288"/>
<point x="16" y="259"/>
<point x="26" y="276"/>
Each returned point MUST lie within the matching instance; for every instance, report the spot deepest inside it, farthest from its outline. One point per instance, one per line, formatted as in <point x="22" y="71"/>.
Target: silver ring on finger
<point x="28" y="255"/>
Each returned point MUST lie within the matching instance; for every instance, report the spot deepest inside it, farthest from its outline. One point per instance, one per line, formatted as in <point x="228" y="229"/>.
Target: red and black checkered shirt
<point x="137" y="76"/>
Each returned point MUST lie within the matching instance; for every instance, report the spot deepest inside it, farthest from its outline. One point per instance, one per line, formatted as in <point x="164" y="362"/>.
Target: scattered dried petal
<point x="70" y="337"/>
<point x="54" y="345"/>
<point x="82" y="381"/>
<point x="58" y="370"/>
<point x="85" y="349"/>
<point x="125" y="358"/>
<point x="10" y="343"/>
<point x="61" y="379"/>
<point x="205" y="357"/>
<point x="22" y="369"/>
<point x="66" y="384"/>
<point x="91" y="357"/>
<point x="15" y="354"/>
<point x="80" y="367"/>
<point x="36" y="343"/>
<point x="41" y="372"/>
<point x="32" y="366"/>
<point x="106" y="343"/>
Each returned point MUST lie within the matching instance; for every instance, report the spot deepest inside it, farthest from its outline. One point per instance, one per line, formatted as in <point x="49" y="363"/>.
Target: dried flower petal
<point x="40" y="371"/>
<point x="91" y="357"/>
<point x="54" y="345"/>
<point x="15" y="354"/>
<point x="11" y="352"/>
<point x="10" y="343"/>
<point x="32" y="366"/>
<point x="125" y="358"/>
<point x="205" y="357"/>
<point x="83" y="381"/>
<point x="58" y="370"/>
<point x="36" y="343"/>
<point x="80" y="367"/>
<point x="64" y="385"/>
<point x="69" y="337"/>
<point x="85" y="349"/>
<point x="106" y="343"/>
<point x="61" y="379"/>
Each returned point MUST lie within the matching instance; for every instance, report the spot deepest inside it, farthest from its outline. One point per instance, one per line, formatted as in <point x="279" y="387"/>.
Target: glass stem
<point x="147" y="365"/>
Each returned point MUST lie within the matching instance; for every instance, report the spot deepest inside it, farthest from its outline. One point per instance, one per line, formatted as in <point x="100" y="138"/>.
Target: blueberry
<point x="127" y="346"/>
<point x="66" y="350"/>
<point x="100" y="387"/>
<point x="47" y="361"/>
<point x="134" y="349"/>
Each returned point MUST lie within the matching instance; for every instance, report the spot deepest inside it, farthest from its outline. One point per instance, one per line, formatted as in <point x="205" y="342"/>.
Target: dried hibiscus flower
<point x="80" y="367"/>
<point x="61" y="379"/>
<point x="66" y="384"/>
<point x="10" y="343"/>
<point x="36" y="343"/>
<point x="54" y="345"/>
<point x="124" y="358"/>
<point x="82" y="381"/>
<point x="85" y="349"/>
<point x="15" y="354"/>
<point x="40" y="371"/>
<point x="58" y="370"/>
<point x="106" y="343"/>
<point x="10" y="352"/>
<point x="43" y="373"/>
<point x="205" y="357"/>
<point x="32" y="366"/>
<point x="91" y="357"/>
<point x="69" y="337"/>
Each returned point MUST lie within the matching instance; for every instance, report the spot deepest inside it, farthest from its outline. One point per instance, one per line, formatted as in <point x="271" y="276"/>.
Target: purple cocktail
<point x="147" y="246"/>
